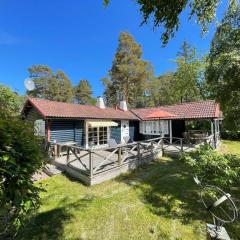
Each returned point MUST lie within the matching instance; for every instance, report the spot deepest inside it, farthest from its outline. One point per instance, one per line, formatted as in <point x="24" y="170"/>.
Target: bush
<point x="20" y="158"/>
<point x="212" y="167"/>
<point x="230" y="135"/>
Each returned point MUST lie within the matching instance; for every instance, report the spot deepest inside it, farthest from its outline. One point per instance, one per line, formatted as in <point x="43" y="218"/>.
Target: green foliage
<point x="160" y="90"/>
<point x="10" y="102"/>
<point x="230" y="135"/>
<point x="166" y="14"/>
<point x="83" y="93"/>
<point x="49" y="85"/>
<point x="65" y="87"/>
<point x="186" y="84"/>
<point x="19" y="159"/>
<point x="212" y="167"/>
<point x="129" y="73"/>
<point x="223" y="70"/>
<point x="188" y="76"/>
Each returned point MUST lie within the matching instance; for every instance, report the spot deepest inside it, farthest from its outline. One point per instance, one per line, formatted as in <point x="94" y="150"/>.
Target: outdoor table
<point x="58" y="147"/>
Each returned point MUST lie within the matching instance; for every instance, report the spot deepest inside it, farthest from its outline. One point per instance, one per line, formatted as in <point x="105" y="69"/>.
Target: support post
<point x="181" y="144"/>
<point x="152" y="147"/>
<point x="170" y="130"/>
<point x="138" y="152"/>
<point x="119" y="156"/>
<point x="90" y="163"/>
<point x="68" y="154"/>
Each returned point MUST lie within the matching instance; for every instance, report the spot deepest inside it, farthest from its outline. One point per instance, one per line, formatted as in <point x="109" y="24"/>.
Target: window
<point x="102" y="135"/>
<point x="97" y="135"/>
<point x="154" y="127"/>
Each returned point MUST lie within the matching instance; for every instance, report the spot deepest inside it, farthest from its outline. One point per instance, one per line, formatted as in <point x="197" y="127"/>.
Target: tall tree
<point x="188" y="75"/>
<point x="161" y="90"/>
<point x="223" y="70"/>
<point x="83" y="93"/>
<point x="49" y="85"/>
<point x="65" y="87"/>
<point x="166" y="14"/>
<point x="46" y="84"/>
<point x="128" y="73"/>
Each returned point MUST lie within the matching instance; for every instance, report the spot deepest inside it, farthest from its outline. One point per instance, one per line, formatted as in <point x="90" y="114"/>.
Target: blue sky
<point x="80" y="37"/>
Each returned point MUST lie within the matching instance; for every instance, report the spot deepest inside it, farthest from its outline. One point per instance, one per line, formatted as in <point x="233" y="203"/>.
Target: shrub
<point x="230" y="135"/>
<point x="20" y="158"/>
<point x="212" y="167"/>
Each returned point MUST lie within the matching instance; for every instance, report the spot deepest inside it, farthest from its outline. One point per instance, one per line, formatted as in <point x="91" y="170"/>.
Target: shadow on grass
<point x="167" y="188"/>
<point x="50" y="224"/>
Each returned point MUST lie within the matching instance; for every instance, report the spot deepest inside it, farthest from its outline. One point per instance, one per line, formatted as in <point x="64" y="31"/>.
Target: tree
<point x="10" y="102"/>
<point x="166" y="14"/>
<point x="189" y="74"/>
<point x="83" y="93"/>
<point x="46" y="84"/>
<point x="161" y="90"/>
<point x="50" y="86"/>
<point x="223" y="70"/>
<point x="65" y="87"/>
<point x="128" y="73"/>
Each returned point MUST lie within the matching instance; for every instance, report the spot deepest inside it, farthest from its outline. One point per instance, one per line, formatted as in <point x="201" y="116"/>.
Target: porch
<point x="93" y="166"/>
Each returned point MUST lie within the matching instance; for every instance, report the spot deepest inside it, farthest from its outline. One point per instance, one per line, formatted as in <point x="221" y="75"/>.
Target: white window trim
<point x="98" y="145"/>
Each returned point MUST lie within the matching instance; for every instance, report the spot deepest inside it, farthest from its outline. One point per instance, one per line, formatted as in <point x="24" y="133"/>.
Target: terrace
<point x="93" y="166"/>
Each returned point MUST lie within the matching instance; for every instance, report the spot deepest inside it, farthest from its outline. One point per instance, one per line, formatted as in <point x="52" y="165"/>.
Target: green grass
<point x="156" y="201"/>
<point x="230" y="147"/>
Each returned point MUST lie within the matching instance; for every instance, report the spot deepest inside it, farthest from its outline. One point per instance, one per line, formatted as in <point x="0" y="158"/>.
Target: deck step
<point x="52" y="170"/>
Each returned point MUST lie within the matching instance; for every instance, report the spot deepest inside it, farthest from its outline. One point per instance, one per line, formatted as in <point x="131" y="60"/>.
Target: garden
<point x="157" y="201"/>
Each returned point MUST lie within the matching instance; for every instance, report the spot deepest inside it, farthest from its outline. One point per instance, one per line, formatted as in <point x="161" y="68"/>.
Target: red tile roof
<point x="190" y="110"/>
<point x="53" y="109"/>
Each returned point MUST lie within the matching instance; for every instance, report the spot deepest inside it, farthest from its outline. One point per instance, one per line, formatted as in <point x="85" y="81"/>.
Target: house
<point x="91" y="126"/>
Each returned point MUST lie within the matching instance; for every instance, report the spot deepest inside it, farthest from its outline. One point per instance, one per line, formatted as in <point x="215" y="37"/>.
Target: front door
<point x="124" y="130"/>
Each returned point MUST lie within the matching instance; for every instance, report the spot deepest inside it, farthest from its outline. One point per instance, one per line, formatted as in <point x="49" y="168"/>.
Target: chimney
<point x="100" y="103"/>
<point x="123" y="105"/>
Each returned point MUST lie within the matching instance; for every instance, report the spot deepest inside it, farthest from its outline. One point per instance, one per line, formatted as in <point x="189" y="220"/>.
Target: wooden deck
<point x="95" y="166"/>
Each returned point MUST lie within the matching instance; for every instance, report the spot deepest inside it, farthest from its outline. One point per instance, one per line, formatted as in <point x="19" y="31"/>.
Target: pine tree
<point x="128" y="73"/>
<point x="65" y="87"/>
<point x="46" y="84"/>
<point x="50" y="86"/>
<point x="83" y="93"/>
<point x="188" y="74"/>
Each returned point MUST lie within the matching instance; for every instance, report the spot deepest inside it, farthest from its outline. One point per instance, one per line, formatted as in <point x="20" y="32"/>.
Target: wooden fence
<point x="91" y="162"/>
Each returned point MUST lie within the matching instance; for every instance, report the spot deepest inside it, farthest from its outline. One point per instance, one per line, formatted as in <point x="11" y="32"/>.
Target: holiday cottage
<point x="94" y="126"/>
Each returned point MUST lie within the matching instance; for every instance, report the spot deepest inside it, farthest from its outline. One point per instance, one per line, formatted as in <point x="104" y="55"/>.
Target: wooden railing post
<point x="119" y="156"/>
<point x="181" y="144"/>
<point x="68" y="154"/>
<point x="152" y="147"/>
<point x="138" y="151"/>
<point x="90" y="163"/>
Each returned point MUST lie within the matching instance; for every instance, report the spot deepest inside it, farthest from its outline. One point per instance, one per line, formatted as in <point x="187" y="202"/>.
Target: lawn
<point x="230" y="146"/>
<point x="156" y="201"/>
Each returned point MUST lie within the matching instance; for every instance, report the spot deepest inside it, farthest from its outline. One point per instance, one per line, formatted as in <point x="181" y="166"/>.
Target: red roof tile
<point x="53" y="109"/>
<point x="191" y="110"/>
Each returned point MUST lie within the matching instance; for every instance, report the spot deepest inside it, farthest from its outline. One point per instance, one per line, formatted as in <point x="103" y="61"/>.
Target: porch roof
<point x="192" y="110"/>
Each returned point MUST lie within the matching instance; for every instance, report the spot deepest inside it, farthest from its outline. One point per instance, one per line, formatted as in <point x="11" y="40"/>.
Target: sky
<point x="80" y="37"/>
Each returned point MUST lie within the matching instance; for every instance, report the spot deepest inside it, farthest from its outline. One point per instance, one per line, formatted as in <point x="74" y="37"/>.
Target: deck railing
<point x="95" y="161"/>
